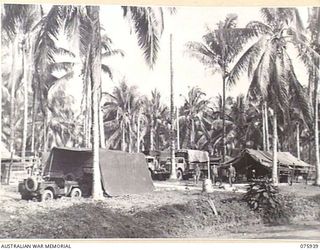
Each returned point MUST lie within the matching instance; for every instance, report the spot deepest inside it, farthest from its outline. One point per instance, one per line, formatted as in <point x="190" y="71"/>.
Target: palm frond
<point x="203" y="53"/>
<point x="148" y="29"/>
<point x="106" y="69"/>
<point x="246" y="61"/>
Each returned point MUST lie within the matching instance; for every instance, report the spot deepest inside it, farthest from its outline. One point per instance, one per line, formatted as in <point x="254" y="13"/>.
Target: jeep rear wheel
<point x="76" y="193"/>
<point x="47" y="195"/>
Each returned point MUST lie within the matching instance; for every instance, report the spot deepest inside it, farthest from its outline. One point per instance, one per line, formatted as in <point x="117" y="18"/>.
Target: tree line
<point x="278" y="112"/>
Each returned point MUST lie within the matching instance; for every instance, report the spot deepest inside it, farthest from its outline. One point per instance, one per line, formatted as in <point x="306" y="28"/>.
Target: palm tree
<point x="193" y="111"/>
<point x="219" y="49"/>
<point x="274" y="78"/>
<point x="148" y="25"/>
<point x="313" y="27"/>
<point x="119" y="111"/>
<point x="155" y="113"/>
<point x="64" y="129"/>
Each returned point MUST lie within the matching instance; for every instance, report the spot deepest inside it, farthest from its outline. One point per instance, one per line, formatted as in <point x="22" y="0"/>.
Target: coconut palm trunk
<point x="151" y="135"/>
<point x="223" y="118"/>
<point x="274" y="149"/>
<point x="45" y="129"/>
<point x="101" y="127"/>
<point x="178" y="129"/>
<point x="172" y="137"/>
<point x="263" y="129"/>
<point x="25" y="51"/>
<point x="192" y="134"/>
<point x="138" y="134"/>
<point x="298" y="140"/>
<point x="12" y="94"/>
<point x="95" y="77"/>
<point x="130" y="138"/>
<point x="123" y="143"/>
<point x="316" y="126"/>
<point x="267" y="125"/>
<point x="33" y="122"/>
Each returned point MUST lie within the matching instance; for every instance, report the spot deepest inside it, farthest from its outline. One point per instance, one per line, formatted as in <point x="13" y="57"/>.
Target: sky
<point x="188" y="24"/>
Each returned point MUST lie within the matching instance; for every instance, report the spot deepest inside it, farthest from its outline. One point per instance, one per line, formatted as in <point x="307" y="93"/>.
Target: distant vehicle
<point x="48" y="188"/>
<point x="157" y="164"/>
<point x="186" y="161"/>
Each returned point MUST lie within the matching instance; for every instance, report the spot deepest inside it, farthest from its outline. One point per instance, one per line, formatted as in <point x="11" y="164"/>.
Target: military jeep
<point x="48" y="188"/>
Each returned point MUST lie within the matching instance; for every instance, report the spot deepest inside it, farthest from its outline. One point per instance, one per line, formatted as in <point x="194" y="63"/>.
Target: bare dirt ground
<point x="174" y="209"/>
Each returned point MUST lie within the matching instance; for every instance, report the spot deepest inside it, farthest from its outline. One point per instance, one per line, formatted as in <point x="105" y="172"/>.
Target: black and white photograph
<point x="160" y="122"/>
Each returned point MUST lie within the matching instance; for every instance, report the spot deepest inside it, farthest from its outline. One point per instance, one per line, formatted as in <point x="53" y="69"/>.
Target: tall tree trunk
<point x="151" y="136"/>
<point x="138" y="134"/>
<point x="34" y="115"/>
<point x="263" y="129"/>
<point x="25" y="50"/>
<point x="130" y="138"/>
<point x="172" y="137"/>
<point x="0" y="136"/>
<point x="12" y="94"/>
<point x="178" y="130"/>
<point x="123" y="143"/>
<point x="298" y="141"/>
<point x="87" y="98"/>
<point x="101" y="127"/>
<point x="89" y="113"/>
<point x="223" y="118"/>
<point x="274" y="149"/>
<point x="45" y="129"/>
<point x="316" y="122"/>
<point x="192" y="134"/>
<point x="95" y="64"/>
<point x="266" y="119"/>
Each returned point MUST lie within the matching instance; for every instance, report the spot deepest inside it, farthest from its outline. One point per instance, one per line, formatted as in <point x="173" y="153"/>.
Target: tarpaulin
<point x="124" y="173"/>
<point x="194" y="155"/>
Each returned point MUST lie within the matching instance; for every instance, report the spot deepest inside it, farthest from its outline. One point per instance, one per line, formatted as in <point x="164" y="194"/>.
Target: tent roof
<point x="265" y="158"/>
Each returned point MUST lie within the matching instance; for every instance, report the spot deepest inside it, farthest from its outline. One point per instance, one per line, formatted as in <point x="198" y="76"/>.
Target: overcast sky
<point x="188" y="24"/>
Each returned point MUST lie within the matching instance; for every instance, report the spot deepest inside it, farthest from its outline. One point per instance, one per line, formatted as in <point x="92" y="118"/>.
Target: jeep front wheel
<point x="179" y="174"/>
<point x="47" y="195"/>
<point x="75" y="193"/>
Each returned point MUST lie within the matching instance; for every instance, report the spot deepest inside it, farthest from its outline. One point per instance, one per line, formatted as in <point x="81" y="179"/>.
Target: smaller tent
<point x="261" y="163"/>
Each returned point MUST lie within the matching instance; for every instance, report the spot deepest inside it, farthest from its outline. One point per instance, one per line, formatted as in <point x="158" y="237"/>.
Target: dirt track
<point x="172" y="210"/>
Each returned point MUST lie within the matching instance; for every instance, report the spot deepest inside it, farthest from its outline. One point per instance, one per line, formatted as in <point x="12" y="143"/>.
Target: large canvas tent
<point x="121" y="173"/>
<point x="261" y="162"/>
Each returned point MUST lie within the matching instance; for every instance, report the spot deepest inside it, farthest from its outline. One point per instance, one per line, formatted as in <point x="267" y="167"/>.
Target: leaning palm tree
<point x="219" y="49"/>
<point x="274" y="78"/>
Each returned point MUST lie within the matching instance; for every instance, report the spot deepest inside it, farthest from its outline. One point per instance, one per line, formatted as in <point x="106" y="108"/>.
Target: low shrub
<point x="262" y="196"/>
